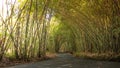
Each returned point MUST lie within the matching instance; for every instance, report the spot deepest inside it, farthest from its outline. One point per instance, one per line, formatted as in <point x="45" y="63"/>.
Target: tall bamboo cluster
<point x="24" y="31"/>
<point x="95" y="24"/>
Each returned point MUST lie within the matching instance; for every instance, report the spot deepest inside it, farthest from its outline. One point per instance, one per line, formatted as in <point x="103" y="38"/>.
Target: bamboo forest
<point x="39" y="30"/>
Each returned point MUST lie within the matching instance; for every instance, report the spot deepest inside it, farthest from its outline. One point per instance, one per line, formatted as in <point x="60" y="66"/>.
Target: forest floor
<point x="99" y="56"/>
<point x="69" y="61"/>
<point x="7" y="62"/>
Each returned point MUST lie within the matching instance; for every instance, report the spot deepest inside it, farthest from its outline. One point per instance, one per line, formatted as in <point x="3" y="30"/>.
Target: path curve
<point x="68" y="61"/>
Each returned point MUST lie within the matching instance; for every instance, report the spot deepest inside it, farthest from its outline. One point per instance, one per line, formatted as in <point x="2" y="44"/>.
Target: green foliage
<point x="76" y="25"/>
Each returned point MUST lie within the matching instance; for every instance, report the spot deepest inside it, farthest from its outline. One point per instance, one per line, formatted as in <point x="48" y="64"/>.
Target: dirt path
<point x="68" y="61"/>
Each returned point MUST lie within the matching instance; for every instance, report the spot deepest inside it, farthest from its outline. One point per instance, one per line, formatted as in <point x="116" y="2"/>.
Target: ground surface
<point x="68" y="61"/>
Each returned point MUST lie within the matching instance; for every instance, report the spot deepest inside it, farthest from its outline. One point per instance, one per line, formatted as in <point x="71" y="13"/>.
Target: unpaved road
<point x="68" y="61"/>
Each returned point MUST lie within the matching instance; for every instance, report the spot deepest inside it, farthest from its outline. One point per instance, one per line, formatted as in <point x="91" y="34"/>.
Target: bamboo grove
<point x="28" y="30"/>
<point x="24" y="31"/>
